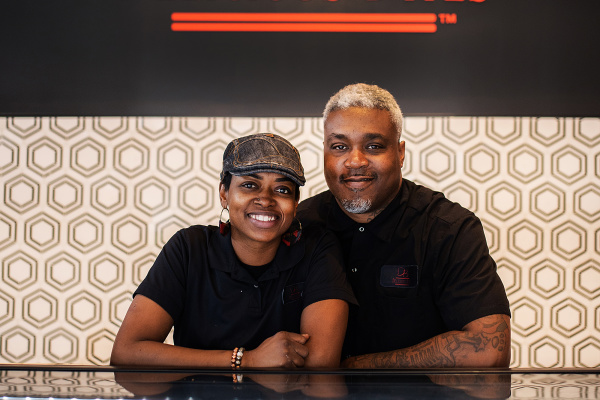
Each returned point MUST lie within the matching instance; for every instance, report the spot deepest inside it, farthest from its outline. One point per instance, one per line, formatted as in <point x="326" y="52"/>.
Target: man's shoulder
<point x="318" y="199"/>
<point x="315" y="209"/>
<point x="435" y="204"/>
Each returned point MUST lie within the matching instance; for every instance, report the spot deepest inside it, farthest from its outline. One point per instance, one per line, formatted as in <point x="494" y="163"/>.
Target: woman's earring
<point x="224" y="225"/>
<point x="293" y="234"/>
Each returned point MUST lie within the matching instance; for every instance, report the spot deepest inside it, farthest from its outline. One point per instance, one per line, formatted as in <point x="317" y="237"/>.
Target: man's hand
<point x="284" y="349"/>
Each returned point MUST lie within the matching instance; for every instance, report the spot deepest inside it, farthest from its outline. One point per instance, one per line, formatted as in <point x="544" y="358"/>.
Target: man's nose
<point x="356" y="159"/>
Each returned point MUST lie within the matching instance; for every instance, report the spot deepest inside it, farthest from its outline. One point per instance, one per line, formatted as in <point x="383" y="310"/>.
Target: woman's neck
<point x="254" y="253"/>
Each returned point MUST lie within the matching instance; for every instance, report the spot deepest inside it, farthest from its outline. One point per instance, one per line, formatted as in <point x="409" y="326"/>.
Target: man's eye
<point x="248" y="185"/>
<point x="374" y="147"/>
<point x="338" y="147"/>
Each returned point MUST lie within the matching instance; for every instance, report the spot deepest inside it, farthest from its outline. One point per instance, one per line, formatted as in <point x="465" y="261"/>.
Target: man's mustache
<point x="361" y="172"/>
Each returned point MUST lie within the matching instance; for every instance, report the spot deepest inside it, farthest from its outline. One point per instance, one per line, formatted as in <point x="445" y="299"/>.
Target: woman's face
<point x="261" y="206"/>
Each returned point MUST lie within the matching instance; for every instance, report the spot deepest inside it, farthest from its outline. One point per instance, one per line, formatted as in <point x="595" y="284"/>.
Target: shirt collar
<point x="222" y="257"/>
<point x="383" y="226"/>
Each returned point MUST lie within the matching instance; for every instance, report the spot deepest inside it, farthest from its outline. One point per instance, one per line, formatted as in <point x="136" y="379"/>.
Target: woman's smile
<point x="261" y="207"/>
<point x="263" y="217"/>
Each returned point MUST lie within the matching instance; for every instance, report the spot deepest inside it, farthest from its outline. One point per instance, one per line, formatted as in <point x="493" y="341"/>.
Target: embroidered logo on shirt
<point x="292" y="292"/>
<point x="399" y="276"/>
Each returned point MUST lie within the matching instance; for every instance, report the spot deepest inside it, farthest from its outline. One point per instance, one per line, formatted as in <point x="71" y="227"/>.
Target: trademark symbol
<point x="447" y="18"/>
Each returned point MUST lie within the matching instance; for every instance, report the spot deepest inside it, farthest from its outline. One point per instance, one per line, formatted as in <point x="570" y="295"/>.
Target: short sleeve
<point x="326" y="277"/>
<point x="468" y="283"/>
<point x="165" y="282"/>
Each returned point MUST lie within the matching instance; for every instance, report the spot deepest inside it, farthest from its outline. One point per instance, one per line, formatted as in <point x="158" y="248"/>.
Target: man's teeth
<point x="264" y="218"/>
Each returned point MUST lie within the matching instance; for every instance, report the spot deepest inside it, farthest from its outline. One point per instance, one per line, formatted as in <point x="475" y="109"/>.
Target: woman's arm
<point x="141" y="336"/>
<point x="325" y="322"/>
<point x="146" y="325"/>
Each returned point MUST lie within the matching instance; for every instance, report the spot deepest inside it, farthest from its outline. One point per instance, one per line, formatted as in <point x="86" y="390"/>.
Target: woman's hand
<point x="284" y="349"/>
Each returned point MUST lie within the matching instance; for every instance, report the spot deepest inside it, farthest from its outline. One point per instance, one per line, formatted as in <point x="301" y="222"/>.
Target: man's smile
<point x="357" y="181"/>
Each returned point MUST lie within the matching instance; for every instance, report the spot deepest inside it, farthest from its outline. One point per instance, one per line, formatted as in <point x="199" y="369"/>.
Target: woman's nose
<point x="265" y="198"/>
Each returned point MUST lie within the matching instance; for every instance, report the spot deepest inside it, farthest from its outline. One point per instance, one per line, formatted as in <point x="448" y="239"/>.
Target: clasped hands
<point x="282" y="350"/>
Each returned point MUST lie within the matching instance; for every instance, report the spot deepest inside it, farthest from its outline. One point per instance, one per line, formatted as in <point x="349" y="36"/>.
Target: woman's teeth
<point x="263" y="218"/>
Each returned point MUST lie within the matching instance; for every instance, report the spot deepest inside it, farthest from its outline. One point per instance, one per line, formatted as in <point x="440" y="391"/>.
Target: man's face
<point x="363" y="160"/>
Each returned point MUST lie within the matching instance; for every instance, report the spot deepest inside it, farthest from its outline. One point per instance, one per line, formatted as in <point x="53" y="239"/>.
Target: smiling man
<point x="428" y="291"/>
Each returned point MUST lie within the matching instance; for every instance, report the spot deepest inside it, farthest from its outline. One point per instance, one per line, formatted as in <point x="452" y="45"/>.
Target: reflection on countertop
<point x="80" y="382"/>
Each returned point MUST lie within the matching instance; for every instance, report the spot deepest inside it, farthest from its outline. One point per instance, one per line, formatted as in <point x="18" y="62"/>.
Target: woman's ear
<point x="223" y="195"/>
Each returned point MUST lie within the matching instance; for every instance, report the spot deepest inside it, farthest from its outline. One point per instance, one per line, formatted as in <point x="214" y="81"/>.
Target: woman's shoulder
<point x="194" y="234"/>
<point x="200" y="230"/>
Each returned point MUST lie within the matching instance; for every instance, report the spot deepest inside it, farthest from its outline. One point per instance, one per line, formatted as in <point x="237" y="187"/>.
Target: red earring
<point x="224" y="225"/>
<point x="293" y="234"/>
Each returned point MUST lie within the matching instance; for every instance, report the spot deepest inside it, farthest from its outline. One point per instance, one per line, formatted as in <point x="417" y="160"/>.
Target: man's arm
<point x="484" y="342"/>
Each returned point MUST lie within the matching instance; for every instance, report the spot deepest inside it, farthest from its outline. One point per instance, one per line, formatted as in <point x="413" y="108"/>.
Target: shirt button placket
<point x="257" y="296"/>
<point x="354" y="270"/>
<point x="356" y="258"/>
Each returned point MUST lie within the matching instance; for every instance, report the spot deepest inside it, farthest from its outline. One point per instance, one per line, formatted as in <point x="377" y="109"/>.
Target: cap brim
<point x="260" y="169"/>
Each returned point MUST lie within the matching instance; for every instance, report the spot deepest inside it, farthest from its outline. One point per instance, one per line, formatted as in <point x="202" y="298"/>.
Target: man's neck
<point x="363" y="218"/>
<point x="369" y="216"/>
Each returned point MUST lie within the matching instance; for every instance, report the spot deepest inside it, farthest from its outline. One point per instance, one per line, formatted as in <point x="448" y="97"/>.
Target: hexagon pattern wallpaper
<point x="88" y="202"/>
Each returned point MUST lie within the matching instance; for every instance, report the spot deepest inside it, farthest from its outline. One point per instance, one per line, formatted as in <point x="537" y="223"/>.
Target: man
<point x="428" y="291"/>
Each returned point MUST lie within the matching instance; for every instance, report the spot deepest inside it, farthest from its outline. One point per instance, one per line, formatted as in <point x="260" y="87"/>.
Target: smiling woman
<point x="262" y="207"/>
<point x="256" y="291"/>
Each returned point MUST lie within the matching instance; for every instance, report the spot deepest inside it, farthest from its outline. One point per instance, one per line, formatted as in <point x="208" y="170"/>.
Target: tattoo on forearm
<point x="445" y="350"/>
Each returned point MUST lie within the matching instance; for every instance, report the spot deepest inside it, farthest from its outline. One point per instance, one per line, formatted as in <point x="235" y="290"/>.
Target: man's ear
<point x="223" y="195"/>
<point x="401" y="150"/>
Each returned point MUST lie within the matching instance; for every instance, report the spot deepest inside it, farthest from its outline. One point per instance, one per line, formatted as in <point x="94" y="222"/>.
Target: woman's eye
<point x="284" y="190"/>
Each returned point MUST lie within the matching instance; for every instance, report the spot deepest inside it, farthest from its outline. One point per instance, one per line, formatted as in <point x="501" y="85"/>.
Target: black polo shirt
<point x="217" y="304"/>
<point x="420" y="268"/>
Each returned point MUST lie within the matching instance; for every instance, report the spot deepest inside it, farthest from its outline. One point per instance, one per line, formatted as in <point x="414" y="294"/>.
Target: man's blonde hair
<point x="365" y="96"/>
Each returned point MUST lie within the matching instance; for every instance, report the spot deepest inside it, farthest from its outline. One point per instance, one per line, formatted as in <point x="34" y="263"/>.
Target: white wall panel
<point x="88" y="202"/>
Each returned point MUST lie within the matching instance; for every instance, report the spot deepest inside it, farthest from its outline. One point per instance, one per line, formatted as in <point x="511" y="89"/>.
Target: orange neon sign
<point x="304" y="22"/>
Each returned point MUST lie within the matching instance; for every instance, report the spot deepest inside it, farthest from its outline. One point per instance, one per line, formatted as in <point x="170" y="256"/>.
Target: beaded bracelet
<point x="236" y="357"/>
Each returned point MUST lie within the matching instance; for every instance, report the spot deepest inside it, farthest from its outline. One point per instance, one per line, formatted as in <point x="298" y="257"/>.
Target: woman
<point x="254" y="292"/>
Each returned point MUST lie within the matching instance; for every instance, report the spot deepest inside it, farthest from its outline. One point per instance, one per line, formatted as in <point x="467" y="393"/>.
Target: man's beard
<point x="357" y="206"/>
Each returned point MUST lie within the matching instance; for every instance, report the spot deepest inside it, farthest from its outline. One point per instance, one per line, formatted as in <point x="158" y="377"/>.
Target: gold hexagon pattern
<point x="89" y="201"/>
